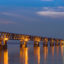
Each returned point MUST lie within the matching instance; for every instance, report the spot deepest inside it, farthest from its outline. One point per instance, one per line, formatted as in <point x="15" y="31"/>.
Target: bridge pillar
<point x="61" y="42"/>
<point x="24" y="40"/>
<point x="4" y="43"/>
<point x="0" y="42"/>
<point x="51" y="42"/>
<point x="57" y="42"/>
<point x="36" y="43"/>
<point x="23" y="44"/>
<point x="45" y="42"/>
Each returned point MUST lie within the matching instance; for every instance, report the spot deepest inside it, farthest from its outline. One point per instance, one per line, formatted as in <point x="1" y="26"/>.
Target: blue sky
<point x="32" y="3"/>
<point x="35" y="17"/>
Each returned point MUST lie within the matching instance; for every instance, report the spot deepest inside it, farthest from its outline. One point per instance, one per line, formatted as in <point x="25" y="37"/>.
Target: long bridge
<point x="5" y="36"/>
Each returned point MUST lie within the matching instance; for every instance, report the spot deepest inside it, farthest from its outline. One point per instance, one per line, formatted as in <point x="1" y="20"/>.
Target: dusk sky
<point x="35" y="17"/>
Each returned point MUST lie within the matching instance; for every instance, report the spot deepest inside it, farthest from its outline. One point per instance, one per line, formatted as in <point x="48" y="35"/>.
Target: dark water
<point x="32" y="55"/>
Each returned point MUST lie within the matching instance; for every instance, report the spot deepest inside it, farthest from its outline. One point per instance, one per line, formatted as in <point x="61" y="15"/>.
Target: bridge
<point x="5" y="36"/>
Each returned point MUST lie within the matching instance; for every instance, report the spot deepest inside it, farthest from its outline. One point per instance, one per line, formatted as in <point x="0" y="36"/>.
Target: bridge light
<point x="52" y="40"/>
<point x="63" y="41"/>
<point x="26" y="39"/>
<point x="6" y="39"/>
<point x="46" y="40"/>
<point x="37" y="39"/>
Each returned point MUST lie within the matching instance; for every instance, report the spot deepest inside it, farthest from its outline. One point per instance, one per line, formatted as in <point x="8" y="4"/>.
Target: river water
<point x="14" y="54"/>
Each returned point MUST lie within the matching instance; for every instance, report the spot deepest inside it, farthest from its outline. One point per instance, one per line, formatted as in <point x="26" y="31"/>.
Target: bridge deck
<point x="14" y="36"/>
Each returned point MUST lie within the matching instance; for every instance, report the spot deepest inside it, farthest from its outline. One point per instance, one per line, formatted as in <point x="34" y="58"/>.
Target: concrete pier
<point x="61" y="42"/>
<point x="4" y="44"/>
<point x="36" y="44"/>
<point x="45" y="42"/>
<point x="0" y="42"/>
<point x="36" y="41"/>
<point x="51" y="42"/>
<point x="57" y="42"/>
<point x="23" y="44"/>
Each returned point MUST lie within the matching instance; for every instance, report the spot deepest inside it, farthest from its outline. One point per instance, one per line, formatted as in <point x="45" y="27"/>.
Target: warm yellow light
<point x="24" y="55"/>
<point x="52" y="49"/>
<point x="45" y="52"/>
<point x="63" y="42"/>
<point x="26" y="39"/>
<point x="37" y="39"/>
<point x="37" y="54"/>
<point x="61" y="51"/>
<point x="52" y="40"/>
<point x="6" y="57"/>
<point x="22" y="37"/>
<point x="45" y="40"/>
<point x="5" y="38"/>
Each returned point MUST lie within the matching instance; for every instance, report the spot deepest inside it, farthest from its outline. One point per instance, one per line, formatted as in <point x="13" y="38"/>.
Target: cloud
<point x="9" y="14"/>
<point x="60" y="7"/>
<point x="46" y="0"/>
<point x="27" y="16"/>
<point x="52" y="11"/>
<point x="45" y="8"/>
<point x="7" y="22"/>
<point x="3" y="21"/>
<point x="48" y="8"/>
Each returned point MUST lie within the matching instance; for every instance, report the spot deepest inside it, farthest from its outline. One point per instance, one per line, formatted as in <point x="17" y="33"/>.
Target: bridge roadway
<point x="5" y="36"/>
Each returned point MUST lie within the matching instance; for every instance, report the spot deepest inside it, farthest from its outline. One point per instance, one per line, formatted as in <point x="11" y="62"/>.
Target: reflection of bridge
<point x="5" y="36"/>
<point x="26" y="56"/>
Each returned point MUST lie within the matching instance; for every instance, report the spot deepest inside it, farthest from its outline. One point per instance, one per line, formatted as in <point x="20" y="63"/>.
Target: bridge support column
<point x="45" y="42"/>
<point x="57" y="42"/>
<point x="51" y="42"/>
<point x="4" y="43"/>
<point x="36" y="43"/>
<point x="23" y="44"/>
<point x="61" y="43"/>
<point x="0" y="42"/>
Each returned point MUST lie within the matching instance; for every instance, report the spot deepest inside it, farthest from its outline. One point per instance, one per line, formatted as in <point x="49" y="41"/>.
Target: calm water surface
<point x="32" y="55"/>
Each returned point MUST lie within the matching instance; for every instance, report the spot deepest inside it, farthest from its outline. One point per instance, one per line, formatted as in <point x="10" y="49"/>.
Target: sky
<point x="34" y="17"/>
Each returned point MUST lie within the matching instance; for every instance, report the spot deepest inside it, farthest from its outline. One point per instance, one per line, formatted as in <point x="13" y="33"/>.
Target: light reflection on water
<point x="32" y="55"/>
<point x="24" y="55"/>
<point x="37" y="54"/>
<point x="5" y="56"/>
<point x="45" y="51"/>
